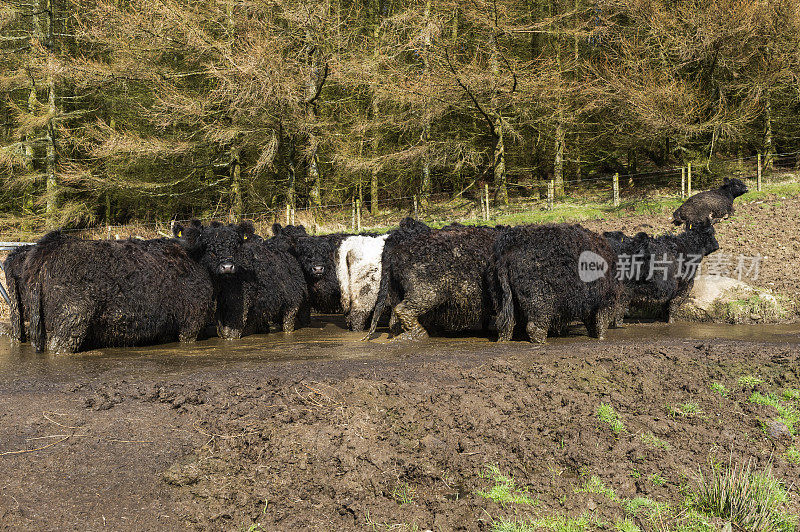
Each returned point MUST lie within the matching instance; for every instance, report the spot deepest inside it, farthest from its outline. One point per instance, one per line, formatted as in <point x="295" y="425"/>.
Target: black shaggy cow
<point x="316" y="255"/>
<point x="658" y="272"/>
<point x="437" y="280"/>
<point x="84" y="294"/>
<point x="715" y="204"/>
<point x="14" y="266"/>
<point x="268" y="287"/>
<point x="539" y="273"/>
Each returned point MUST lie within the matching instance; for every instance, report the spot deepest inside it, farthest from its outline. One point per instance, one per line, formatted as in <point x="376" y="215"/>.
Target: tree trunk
<point x="426" y="125"/>
<point x="236" y="182"/>
<point x="373" y="185"/>
<point x="311" y="115"/>
<point x="769" y="148"/>
<point x="499" y="167"/>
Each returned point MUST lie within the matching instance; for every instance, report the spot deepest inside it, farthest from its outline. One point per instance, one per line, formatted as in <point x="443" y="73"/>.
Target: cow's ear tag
<point x="244" y="237"/>
<point x="180" y="234"/>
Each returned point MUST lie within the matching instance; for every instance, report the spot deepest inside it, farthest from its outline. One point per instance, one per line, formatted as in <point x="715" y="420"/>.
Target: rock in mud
<point x="720" y="299"/>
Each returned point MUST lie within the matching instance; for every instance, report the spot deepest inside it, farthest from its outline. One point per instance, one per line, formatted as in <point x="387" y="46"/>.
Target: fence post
<point x="758" y="181"/>
<point x="358" y="216"/>
<point x="616" y="189"/>
<point x="689" y="180"/>
<point x="683" y="182"/>
<point x="416" y="210"/>
<point x="288" y="212"/>
<point x="293" y="219"/>
<point x="486" y="190"/>
<point x="551" y="189"/>
<point x="353" y="215"/>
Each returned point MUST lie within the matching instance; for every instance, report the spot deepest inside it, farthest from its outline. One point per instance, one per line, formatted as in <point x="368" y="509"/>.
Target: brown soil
<point x="389" y="435"/>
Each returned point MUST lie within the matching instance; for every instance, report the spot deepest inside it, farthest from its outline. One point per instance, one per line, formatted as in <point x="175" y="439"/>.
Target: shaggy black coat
<point x="317" y="258"/>
<point x="268" y="287"/>
<point x="14" y="266"/>
<point x="437" y="280"/>
<point x="710" y="205"/>
<point x="665" y="277"/>
<point x="538" y="274"/>
<point x="84" y="294"/>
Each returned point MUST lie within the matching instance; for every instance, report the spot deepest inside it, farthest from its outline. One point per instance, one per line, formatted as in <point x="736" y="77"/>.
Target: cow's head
<point x="215" y="245"/>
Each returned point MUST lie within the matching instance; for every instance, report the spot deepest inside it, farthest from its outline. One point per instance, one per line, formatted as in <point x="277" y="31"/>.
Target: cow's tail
<point x="16" y="307"/>
<point x="506" y="318"/>
<point x="35" y="312"/>
<point x="380" y="303"/>
<point x="343" y="274"/>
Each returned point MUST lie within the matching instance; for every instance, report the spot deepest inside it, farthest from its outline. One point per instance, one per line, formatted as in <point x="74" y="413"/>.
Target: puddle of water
<point x="327" y="339"/>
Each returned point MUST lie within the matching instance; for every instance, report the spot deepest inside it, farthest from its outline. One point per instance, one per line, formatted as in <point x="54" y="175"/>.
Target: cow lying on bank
<point x="660" y="270"/>
<point x="714" y="204"/>
<point x="541" y="285"/>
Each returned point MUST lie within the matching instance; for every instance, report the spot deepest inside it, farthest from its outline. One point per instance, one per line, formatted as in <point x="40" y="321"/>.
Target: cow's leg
<point x="290" y="319"/>
<point x="537" y="332"/>
<point x="411" y="308"/>
<point x="357" y="319"/>
<point x="598" y="321"/>
<point x="70" y="328"/>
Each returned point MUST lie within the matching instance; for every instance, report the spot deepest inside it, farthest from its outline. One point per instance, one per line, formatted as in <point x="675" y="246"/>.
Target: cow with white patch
<point x="358" y="268"/>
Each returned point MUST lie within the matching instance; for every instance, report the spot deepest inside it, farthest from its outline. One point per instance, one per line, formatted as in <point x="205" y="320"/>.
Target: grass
<point x="403" y="493"/>
<point x="595" y="485"/>
<point x="719" y="388"/>
<point x="750" y="500"/>
<point x="689" y="409"/>
<point x="607" y="414"/>
<point x="560" y="523"/>
<point x="657" y="480"/>
<point x="791" y="394"/>
<point x="792" y="455"/>
<point x="749" y="381"/>
<point x="505" y="490"/>
<point x="653" y="441"/>
<point x="787" y="413"/>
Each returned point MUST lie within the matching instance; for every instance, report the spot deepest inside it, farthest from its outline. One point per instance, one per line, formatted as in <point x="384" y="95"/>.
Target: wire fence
<point x="484" y="201"/>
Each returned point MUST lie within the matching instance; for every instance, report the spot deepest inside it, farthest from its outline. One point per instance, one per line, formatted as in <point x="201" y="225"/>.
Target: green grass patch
<point x="791" y="394"/>
<point x="792" y="455"/>
<point x="749" y="381"/>
<point x="751" y="500"/>
<point x="595" y="485"/>
<point x="403" y="493"/>
<point x="505" y="490"/>
<point x="787" y="413"/>
<point x="657" y="480"/>
<point x="653" y="441"/>
<point x="607" y="414"/>
<point x="689" y="409"/>
<point x="718" y="387"/>
<point x="782" y="189"/>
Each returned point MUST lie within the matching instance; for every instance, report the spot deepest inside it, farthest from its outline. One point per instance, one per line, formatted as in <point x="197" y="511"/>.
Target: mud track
<point x="321" y="431"/>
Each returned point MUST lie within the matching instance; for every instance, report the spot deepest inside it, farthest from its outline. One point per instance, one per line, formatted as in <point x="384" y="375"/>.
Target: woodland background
<point x="115" y="111"/>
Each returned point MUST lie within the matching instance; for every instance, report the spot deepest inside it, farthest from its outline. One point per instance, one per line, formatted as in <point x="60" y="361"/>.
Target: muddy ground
<point x="318" y="430"/>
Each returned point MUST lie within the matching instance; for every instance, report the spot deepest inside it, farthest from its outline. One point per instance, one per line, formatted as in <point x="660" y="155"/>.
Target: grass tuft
<point x="749" y="381"/>
<point x="505" y="490"/>
<point x="787" y="414"/>
<point x="607" y="414"/>
<point x="595" y="485"/>
<point x="719" y="388"/>
<point x="653" y="441"/>
<point x="403" y="493"/>
<point x="751" y="500"/>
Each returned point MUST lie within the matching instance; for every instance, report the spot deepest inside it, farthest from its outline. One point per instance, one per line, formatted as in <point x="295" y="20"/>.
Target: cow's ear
<point x="725" y="180"/>
<point x="246" y="229"/>
<point x="177" y="230"/>
<point x="189" y="237"/>
<point x="215" y="224"/>
<point x="196" y="223"/>
<point x="276" y="229"/>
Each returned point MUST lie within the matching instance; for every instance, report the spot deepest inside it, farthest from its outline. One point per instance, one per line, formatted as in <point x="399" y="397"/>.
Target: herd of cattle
<point x="81" y="294"/>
